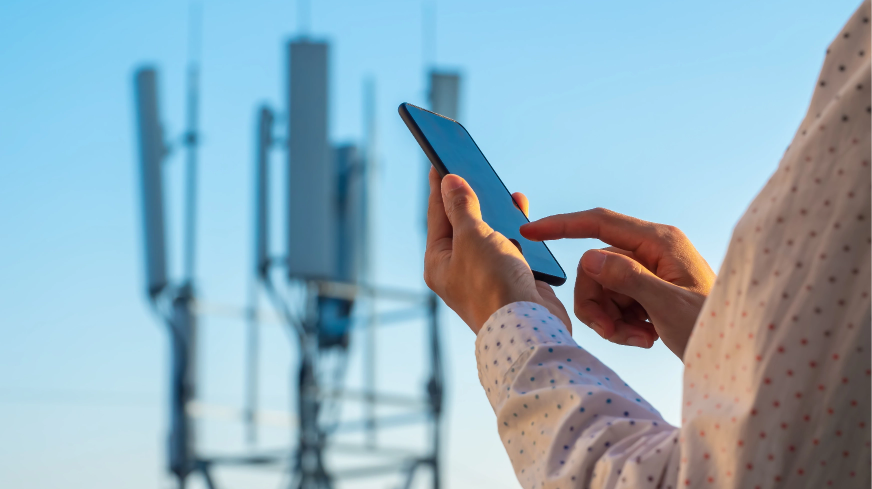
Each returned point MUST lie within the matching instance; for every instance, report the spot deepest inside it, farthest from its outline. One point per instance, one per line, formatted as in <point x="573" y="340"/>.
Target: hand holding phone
<point x="474" y="269"/>
<point x="452" y="150"/>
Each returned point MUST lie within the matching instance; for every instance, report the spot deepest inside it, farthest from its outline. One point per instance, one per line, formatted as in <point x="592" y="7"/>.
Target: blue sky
<point x="674" y="112"/>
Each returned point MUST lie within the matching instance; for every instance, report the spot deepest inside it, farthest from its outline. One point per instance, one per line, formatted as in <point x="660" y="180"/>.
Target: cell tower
<point x="320" y="284"/>
<point x="173" y="301"/>
<point x="328" y="256"/>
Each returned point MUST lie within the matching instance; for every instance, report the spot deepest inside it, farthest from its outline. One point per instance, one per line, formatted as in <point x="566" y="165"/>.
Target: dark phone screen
<point x="461" y="156"/>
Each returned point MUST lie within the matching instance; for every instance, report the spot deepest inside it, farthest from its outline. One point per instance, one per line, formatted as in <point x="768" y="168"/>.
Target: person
<point x="775" y="347"/>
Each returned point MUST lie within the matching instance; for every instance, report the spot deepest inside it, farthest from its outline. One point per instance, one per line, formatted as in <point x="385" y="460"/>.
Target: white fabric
<point x="565" y="419"/>
<point x="777" y="370"/>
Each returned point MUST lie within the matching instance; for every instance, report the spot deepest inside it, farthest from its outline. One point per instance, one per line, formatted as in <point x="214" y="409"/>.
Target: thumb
<point x="461" y="203"/>
<point x="626" y="276"/>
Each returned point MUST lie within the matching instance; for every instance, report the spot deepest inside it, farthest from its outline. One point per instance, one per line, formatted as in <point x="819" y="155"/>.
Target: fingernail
<point x="593" y="262"/>
<point x="451" y="182"/>
<point x="637" y="341"/>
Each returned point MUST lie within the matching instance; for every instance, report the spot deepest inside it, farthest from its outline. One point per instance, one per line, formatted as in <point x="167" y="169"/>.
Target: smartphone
<point x="451" y="149"/>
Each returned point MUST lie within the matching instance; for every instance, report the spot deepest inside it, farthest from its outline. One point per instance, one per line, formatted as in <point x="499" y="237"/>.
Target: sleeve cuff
<point x="508" y="338"/>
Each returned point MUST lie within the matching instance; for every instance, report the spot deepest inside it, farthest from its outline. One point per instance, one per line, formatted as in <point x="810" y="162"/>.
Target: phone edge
<point x="419" y="137"/>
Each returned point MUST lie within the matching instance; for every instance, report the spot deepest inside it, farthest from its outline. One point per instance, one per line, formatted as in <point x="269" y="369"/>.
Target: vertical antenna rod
<point x="370" y="174"/>
<point x="252" y="364"/>
<point x="191" y="142"/>
<point x="429" y="35"/>
<point x="263" y="143"/>
<point x="303" y="17"/>
<point x="368" y="245"/>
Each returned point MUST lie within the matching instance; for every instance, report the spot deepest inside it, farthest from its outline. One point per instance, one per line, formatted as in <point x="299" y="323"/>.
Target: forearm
<point x="563" y="415"/>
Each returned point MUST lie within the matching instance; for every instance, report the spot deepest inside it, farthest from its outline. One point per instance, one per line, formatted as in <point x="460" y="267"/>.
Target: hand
<point x="473" y="268"/>
<point x="651" y="283"/>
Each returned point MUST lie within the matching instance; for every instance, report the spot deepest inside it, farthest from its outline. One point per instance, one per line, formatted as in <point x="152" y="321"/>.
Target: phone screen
<point x="459" y="154"/>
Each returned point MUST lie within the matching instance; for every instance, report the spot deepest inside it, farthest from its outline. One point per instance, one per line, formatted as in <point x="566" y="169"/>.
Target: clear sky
<point x="674" y="112"/>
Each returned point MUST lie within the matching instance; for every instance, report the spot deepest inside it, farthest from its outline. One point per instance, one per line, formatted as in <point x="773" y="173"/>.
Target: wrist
<point x="498" y="300"/>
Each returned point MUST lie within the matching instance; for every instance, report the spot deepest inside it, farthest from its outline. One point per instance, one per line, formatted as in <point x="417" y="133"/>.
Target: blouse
<point x="777" y="369"/>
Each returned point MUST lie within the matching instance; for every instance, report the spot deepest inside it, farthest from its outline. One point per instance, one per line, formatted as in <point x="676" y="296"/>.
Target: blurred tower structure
<point x="329" y="256"/>
<point x="321" y="285"/>
<point x="172" y="300"/>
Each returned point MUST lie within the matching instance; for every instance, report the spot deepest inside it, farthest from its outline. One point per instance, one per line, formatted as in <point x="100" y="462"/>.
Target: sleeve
<point x="565" y="419"/>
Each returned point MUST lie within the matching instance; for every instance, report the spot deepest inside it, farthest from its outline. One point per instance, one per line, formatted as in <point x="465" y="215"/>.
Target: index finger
<point x="610" y="227"/>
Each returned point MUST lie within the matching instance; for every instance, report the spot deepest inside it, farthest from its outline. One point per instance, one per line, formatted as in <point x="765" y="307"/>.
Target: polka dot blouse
<point x="777" y="370"/>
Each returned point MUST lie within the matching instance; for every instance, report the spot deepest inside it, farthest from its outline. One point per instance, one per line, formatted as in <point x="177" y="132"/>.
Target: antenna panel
<point x="312" y="204"/>
<point x="151" y="155"/>
<point x="261" y="191"/>
<point x="351" y="227"/>
<point x="445" y="93"/>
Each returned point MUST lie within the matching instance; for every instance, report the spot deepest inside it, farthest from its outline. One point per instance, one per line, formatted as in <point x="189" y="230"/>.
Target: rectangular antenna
<point x="445" y="93"/>
<point x="261" y="191"/>
<point x="312" y="212"/>
<point x="352" y="213"/>
<point x="151" y="155"/>
<point x="369" y="161"/>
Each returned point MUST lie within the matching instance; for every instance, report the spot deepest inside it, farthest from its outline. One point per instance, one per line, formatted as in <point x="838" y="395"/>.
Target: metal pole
<point x="435" y="389"/>
<point x="310" y="463"/>
<point x="369" y="376"/>
<point x="429" y="33"/>
<point x="368" y="272"/>
<point x="303" y="15"/>
<point x="253" y="348"/>
<point x="263" y="139"/>
<point x="182" y="452"/>
<point x="181" y="441"/>
<point x="191" y="142"/>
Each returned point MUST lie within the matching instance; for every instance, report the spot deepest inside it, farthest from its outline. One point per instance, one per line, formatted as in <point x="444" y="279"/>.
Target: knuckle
<point x="678" y="234"/>
<point x="670" y="233"/>
<point x="430" y="271"/>
<point x="482" y="229"/>
<point x="582" y="310"/>
<point x="428" y="277"/>
<point x="627" y="273"/>
<point x="600" y="211"/>
<point x="578" y="310"/>
<point x="461" y="201"/>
